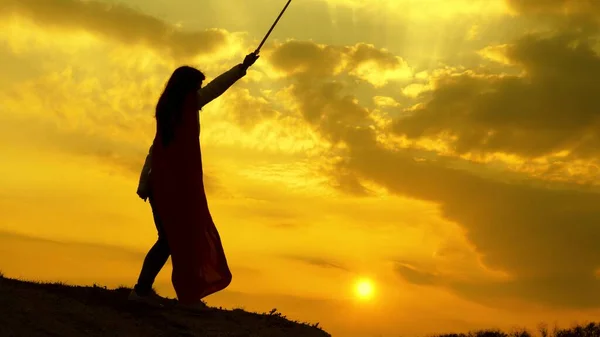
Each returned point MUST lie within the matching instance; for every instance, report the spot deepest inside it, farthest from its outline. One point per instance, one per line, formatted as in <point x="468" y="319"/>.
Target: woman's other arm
<point x="143" y="190"/>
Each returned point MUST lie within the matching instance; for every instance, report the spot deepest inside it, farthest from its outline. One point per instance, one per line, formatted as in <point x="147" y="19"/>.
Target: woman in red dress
<point x="173" y="180"/>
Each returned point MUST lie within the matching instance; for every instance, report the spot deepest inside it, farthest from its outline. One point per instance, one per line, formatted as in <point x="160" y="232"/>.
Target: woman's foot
<point x="151" y="299"/>
<point x="194" y="308"/>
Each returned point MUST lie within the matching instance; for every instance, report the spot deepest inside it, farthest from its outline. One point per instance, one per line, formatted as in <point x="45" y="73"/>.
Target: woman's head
<point x="183" y="80"/>
<point x="169" y="109"/>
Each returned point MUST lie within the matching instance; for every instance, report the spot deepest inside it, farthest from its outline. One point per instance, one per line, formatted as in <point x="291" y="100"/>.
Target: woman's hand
<point x="249" y="60"/>
<point x="142" y="194"/>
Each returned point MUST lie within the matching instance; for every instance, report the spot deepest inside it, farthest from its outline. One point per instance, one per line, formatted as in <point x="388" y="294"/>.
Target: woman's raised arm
<point x="224" y="81"/>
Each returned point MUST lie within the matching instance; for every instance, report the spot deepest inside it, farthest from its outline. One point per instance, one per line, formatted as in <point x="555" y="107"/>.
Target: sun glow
<point x="364" y="289"/>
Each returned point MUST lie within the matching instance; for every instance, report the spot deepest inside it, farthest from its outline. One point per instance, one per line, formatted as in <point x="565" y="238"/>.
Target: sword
<point x="273" y="26"/>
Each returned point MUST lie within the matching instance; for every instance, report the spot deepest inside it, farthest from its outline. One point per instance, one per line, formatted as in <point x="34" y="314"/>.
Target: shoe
<point x="196" y="308"/>
<point x="151" y="299"/>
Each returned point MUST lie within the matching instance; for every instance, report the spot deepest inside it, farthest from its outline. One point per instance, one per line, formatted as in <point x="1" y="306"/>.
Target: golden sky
<point x="444" y="150"/>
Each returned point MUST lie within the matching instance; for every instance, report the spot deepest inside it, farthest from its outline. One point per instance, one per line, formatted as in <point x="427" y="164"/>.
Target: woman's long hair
<point x="169" y="109"/>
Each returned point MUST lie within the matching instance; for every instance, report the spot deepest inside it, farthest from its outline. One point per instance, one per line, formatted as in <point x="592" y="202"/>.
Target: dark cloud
<point x="553" y="107"/>
<point x="317" y="261"/>
<point x="285" y="225"/>
<point x="555" y="6"/>
<point x="545" y="237"/>
<point x="576" y="16"/>
<point x="348" y="183"/>
<point x="534" y="287"/>
<point x="415" y="276"/>
<point x="30" y="243"/>
<point x="534" y="234"/>
<point x="305" y="58"/>
<point x="118" y="22"/>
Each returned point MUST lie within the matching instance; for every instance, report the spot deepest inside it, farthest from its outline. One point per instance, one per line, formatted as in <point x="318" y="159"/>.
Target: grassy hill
<point x="31" y="309"/>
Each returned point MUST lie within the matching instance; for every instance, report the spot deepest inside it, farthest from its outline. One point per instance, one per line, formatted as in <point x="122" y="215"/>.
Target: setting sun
<point x="364" y="289"/>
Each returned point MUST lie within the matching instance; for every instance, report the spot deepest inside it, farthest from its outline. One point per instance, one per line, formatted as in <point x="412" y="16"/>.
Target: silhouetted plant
<point x="589" y="330"/>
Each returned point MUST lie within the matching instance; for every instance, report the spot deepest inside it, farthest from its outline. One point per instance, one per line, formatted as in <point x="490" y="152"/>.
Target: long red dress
<point x="199" y="264"/>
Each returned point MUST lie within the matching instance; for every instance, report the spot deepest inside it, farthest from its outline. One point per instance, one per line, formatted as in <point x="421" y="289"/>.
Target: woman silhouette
<point x="172" y="180"/>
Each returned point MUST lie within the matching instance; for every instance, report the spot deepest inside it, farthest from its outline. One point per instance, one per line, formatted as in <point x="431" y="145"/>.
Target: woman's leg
<point x="155" y="259"/>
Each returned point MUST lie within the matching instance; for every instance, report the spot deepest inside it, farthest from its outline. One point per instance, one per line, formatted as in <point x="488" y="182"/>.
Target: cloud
<point x="363" y="61"/>
<point x="517" y="228"/>
<point x="551" y="108"/>
<point x="118" y="22"/>
<point x="415" y="276"/>
<point x="325" y="104"/>
<point x="385" y="101"/>
<point x="317" y="261"/>
<point x="425" y="9"/>
<point x="376" y="66"/>
<point x="110" y="118"/>
<point x="541" y="236"/>
<point x="246" y="110"/>
<point x="554" y="6"/>
<point x="91" y="123"/>
<point x="579" y="17"/>
<point x="306" y="57"/>
<point x="108" y="126"/>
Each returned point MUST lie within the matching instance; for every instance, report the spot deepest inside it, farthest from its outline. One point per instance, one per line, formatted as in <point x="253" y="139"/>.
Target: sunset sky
<point x="444" y="150"/>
